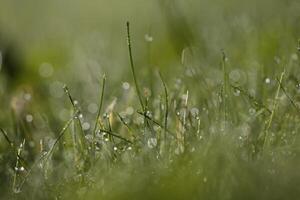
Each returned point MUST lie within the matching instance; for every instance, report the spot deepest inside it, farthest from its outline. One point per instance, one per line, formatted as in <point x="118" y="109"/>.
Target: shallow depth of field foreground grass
<point x="188" y="100"/>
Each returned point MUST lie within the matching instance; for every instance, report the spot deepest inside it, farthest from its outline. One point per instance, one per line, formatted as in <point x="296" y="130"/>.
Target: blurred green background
<point x="50" y="43"/>
<point x="78" y="34"/>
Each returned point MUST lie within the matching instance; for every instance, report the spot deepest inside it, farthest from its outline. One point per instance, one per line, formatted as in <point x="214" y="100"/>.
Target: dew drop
<point x="29" y="118"/>
<point x="148" y="38"/>
<point x="267" y="80"/>
<point x="148" y="113"/>
<point x="86" y="126"/>
<point x="152" y="142"/>
<point x="236" y="92"/>
<point x="195" y="112"/>
<point x="252" y="111"/>
<point x="125" y="85"/>
<point x="105" y="116"/>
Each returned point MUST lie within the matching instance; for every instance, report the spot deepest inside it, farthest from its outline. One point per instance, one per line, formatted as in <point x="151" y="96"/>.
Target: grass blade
<point x="133" y="68"/>
<point x="166" y="106"/>
<point x="98" y="114"/>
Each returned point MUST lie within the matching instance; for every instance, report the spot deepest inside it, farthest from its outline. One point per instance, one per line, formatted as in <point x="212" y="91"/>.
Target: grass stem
<point x="133" y="68"/>
<point x="274" y="107"/>
<point x="98" y="114"/>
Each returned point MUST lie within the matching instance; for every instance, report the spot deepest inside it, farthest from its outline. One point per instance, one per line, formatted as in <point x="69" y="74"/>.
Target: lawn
<point x="162" y="99"/>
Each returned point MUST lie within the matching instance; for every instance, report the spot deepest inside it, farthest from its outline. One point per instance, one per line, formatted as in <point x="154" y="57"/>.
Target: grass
<point x="98" y="115"/>
<point x="202" y="128"/>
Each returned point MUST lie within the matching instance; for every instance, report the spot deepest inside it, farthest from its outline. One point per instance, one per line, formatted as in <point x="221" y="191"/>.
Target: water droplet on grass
<point x="75" y="102"/>
<point x="152" y="142"/>
<point x="267" y="80"/>
<point x="125" y="85"/>
<point x="148" y="38"/>
<point x="236" y="92"/>
<point x="149" y="114"/>
<point x="86" y="126"/>
<point x="194" y="112"/>
<point x="252" y="111"/>
<point x="29" y="118"/>
<point x="106" y="116"/>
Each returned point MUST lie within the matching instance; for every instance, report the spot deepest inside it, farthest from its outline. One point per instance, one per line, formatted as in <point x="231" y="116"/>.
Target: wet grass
<point x="203" y="128"/>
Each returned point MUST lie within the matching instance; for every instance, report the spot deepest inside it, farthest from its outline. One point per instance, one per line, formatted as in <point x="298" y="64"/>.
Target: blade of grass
<point x="76" y="111"/>
<point x="288" y="96"/>
<point x="275" y="103"/>
<point x="166" y="106"/>
<point x="61" y="133"/>
<point x="6" y="137"/>
<point x="115" y="135"/>
<point x="13" y="147"/>
<point x="46" y="155"/>
<point x="225" y="92"/>
<point x="19" y="151"/>
<point x="123" y="121"/>
<point x="155" y="122"/>
<point x="133" y="68"/>
<point x="252" y="99"/>
<point x="98" y="114"/>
